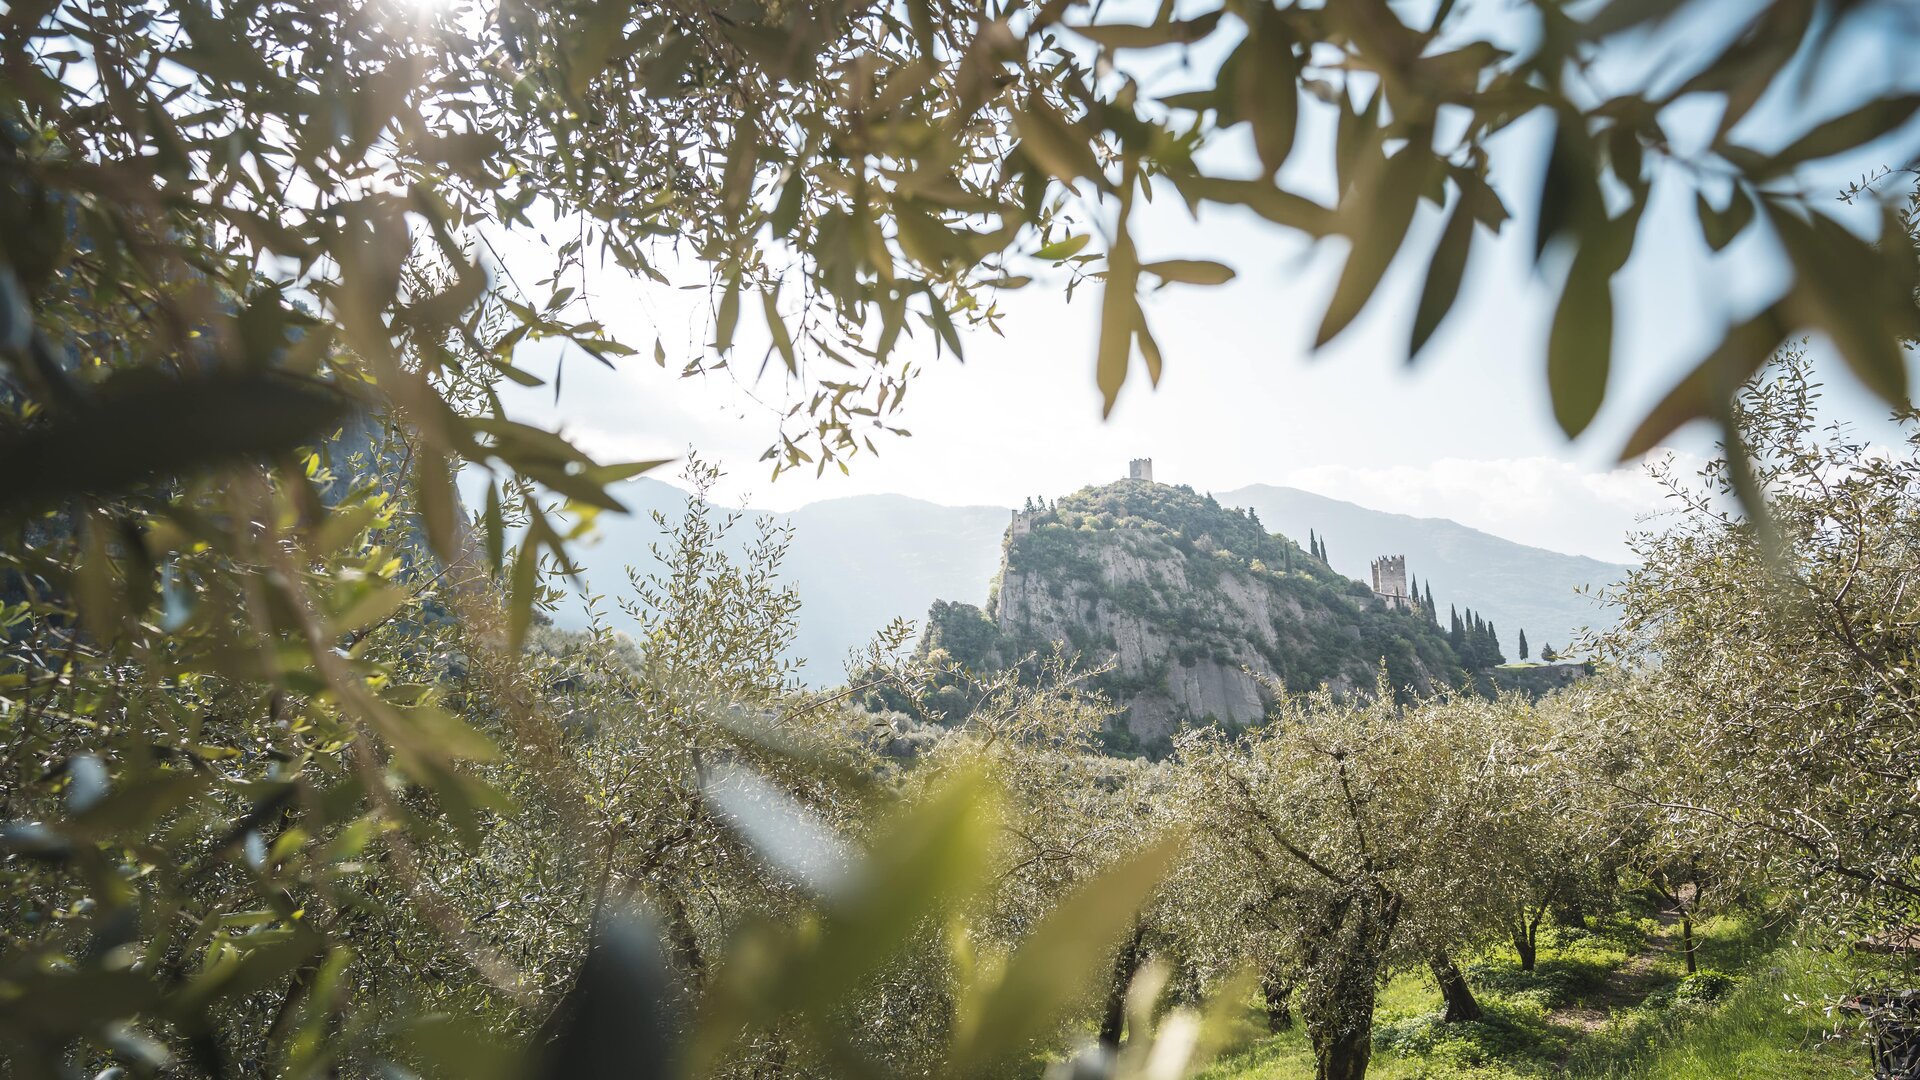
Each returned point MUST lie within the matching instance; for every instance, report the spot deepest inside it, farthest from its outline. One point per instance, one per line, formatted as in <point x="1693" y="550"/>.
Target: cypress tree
<point x="1523" y="644"/>
<point x="1430" y="607"/>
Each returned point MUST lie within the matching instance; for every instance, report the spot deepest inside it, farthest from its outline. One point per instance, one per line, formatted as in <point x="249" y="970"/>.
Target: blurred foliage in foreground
<point x="294" y="782"/>
<point x="284" y="208"/>
<point x="605" y="853"/>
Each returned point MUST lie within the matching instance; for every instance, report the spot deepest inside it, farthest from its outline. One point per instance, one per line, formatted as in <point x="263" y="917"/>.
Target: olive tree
<point x="1069" y="812"/>
<point x="1345" y="836"/>
<point x="1773" y="710"/>
<point x="1550" y="843"/>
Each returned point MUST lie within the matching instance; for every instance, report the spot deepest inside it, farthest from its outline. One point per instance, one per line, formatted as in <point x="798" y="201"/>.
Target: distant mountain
<point x="1516" y="586"/>
<point x="860" y="562"/>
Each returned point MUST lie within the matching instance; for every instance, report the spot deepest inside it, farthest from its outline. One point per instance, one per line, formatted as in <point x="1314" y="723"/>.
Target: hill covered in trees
<point x="907" y="553"/>
<point x="1548" y="594"/>
<point x="1192" y="612"/>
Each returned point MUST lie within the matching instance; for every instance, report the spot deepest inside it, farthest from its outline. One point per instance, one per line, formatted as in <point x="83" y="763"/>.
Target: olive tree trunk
<point x="1343" y="975"/>
<point x="1526" y="935"/>
<point x="1126" y="964"/>
<point x="1279" y="995"/>
<point x="1524" y="946"/>
<point x="1344" y="1056"/>
<point x="1454" y="991"/>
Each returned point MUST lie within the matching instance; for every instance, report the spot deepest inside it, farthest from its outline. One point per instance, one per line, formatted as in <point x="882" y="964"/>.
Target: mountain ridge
<point x="859" y="561"/>
<point x="1518" y="586"/>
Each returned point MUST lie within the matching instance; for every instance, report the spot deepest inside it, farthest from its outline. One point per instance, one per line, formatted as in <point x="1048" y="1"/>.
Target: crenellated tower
<point x="1390" y="581"/>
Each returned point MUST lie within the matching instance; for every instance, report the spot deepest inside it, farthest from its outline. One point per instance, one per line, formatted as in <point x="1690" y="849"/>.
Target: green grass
<point x="1575" y="1017"/>
<point x="1771" y="1026"/>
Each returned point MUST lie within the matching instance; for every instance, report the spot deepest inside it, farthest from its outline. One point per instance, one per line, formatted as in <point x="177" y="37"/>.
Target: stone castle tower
<point x="1390" y="581"/>
<point x="1140" y="468"/>
<point x="1022" y="523"/>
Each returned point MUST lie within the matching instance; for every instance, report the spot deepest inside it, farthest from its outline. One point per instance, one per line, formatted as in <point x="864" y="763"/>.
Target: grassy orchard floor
<point x="1601" y="1004"/>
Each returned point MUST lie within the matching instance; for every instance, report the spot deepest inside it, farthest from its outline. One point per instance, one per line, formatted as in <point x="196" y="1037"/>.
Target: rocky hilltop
<point x="1192" y="603"/>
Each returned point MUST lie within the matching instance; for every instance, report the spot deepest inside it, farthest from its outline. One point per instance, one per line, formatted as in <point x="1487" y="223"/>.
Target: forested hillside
<point x="1550" y="595"/>
<point x="906" y="553"/>
<point x="1193" y="613"/>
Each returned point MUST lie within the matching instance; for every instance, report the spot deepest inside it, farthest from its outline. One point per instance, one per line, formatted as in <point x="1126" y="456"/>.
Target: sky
<point x="1466" y="434"/>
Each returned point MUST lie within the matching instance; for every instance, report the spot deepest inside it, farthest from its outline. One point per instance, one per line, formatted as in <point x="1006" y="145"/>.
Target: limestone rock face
<point x="1196" y="607"/>
<point x="1193" y="652"/>
<point x="1195" y="688"/>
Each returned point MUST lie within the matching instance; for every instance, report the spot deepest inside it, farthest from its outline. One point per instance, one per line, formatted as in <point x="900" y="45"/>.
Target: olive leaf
<point x="141" y="426"/>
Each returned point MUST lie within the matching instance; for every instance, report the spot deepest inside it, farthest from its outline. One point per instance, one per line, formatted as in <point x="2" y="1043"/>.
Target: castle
<point x="1140" y="468"/>
<point x="1390" y="582"/>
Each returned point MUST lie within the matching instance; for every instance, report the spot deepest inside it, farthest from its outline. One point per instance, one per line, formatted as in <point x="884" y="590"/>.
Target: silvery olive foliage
<point x="1346" y="839"/>
<point x="806" y="905"/>
<point x="1769" y="725"/>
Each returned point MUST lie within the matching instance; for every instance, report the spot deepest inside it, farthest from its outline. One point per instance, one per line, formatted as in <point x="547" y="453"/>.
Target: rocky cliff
<point x="1195" y="606"/>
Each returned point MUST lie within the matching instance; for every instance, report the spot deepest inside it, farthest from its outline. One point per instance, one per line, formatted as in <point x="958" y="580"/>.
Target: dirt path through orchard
<point x="1627" y="984"/>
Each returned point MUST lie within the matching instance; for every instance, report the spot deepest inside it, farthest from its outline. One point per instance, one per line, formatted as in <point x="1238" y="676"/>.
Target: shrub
<point x="1589" y="952"/>
<point x="1472" y="1044"/>
<point x="1704" y="988"/>
<point x="1408" y="1035"/>
<point x="1537" y="1001"/>
<point x="1547" y="987"/>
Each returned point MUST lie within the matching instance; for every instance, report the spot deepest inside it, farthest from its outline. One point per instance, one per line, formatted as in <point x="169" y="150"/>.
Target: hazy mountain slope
<point x="860" y="562"/>
<point x="857" y="563"/>
<point x="1516" y="586"/>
